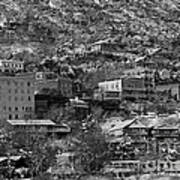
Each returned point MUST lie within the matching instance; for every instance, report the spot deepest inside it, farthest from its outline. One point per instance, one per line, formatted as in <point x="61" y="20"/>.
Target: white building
<point x="109" y="90"/>
<point x="11" y="65"/>
<point x="113" y="86"/>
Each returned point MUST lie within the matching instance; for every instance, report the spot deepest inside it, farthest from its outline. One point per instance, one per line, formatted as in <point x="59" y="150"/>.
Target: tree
<point x="92" y="148"/>
<point x="35" y="147"/>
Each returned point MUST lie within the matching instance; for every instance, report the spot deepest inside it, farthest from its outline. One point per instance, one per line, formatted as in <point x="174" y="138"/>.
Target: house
<point x="166" y="136"/>
<point x="35" y="126"/>
<point x="165" y="131"/>
<point x="136" y="129"/>
<point x="17" y="96"/>
<point x="132" y="132"/>
<point x="11" y="65"/>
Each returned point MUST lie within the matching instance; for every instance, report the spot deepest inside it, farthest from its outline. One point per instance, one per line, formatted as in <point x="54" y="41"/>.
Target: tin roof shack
<point x="137" y="130"/>
<point x="35" y="126"/>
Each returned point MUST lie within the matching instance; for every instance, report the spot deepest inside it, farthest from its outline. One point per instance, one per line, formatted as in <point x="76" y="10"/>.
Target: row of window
<point x="16" y="83"/>
<point x="16" y="116"/>
<point x="19" y="91"/>
<point x="10" y="65"/>
<point x="17" y="109"/>
<point x="18" y="98"/>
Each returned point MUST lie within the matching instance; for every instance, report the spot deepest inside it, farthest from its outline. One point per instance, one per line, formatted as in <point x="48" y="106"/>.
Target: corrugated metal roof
<point x="137" y="124"/>
<point x="31" y="122"/>
<point x="122" y="124"/>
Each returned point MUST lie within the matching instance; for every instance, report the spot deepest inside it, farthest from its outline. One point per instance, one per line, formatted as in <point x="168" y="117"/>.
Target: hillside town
<point x="89" y="90"/>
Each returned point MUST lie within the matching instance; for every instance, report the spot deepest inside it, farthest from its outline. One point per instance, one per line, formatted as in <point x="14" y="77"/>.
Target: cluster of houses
<point x="137" y="84"/>
<point x="144" y="144"/>
<point x="25" y="98"/>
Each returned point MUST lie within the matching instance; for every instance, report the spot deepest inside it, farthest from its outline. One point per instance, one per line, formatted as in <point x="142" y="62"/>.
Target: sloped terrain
<point x="65" y="30"/>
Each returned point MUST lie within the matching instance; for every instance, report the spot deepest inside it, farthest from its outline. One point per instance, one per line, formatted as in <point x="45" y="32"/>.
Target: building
<point x="110" y="90"/>
<point x="45" y="80"/>
<point x="166" y="137"/>
<point x="17" y="96"/>
<point x="169" y="90"/>
<point x="41" y="105"/>
<point x="11" y="65"/>
<point x="38" y="126"/>
<point x="138" y="88"/>
<point x="51" y="81"/>
<point x="65" y="86"/>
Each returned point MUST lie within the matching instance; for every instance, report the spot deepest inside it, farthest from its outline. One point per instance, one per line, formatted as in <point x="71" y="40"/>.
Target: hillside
<point x="65" y="31"/>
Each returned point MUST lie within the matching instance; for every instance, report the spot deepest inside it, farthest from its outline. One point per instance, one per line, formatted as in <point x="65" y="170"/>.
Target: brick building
<point x="17" y="96"/>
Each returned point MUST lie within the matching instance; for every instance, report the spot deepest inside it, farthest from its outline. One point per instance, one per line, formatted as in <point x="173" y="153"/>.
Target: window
<point x="22" y="91"/>
<point x="28" y="91"/>
<point x="15" y="98"/>
<point x="16" y="91"/>
<point x="16" y="116"/>
<point x="16" y="108"/>
<point x="10" y="116"/>
<point x="28" y="84"/>
<point x="9" y="108"/>
<point x="9" y="98"/>
<point x="29" y="98"/>
<point x="22" y="98"/>
<point x="4" y="107"/>
<point x="23" y="108"/>
<point x="9" y="90"/>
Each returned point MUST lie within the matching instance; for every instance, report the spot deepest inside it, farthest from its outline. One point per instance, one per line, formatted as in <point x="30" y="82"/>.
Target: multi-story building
<point x="110" y="90"/>
<point x="11" y="65"/>
<point x="46" y="80"/>
<point x="17" y="96"/>
<point x="50" y="80"/>
<point x="138" y="88"/>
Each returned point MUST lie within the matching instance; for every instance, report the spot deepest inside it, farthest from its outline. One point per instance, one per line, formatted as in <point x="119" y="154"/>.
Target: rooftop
<point x="122" y="124"/>
<point x="31" y="122"/>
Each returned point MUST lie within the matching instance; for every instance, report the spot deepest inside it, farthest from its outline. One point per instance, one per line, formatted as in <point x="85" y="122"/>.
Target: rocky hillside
<point x="64" y="32"/>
